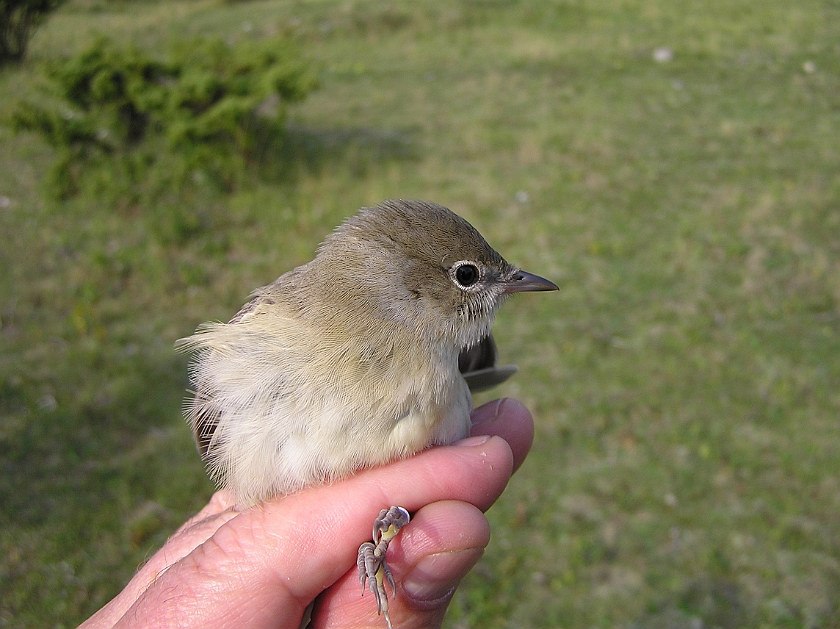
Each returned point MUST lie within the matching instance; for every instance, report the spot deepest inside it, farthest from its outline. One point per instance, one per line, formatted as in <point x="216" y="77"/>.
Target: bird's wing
<point x="478" y="366"/>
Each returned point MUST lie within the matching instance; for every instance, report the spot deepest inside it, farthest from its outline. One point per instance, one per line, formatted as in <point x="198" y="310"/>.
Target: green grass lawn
<point x="673" y="166"/>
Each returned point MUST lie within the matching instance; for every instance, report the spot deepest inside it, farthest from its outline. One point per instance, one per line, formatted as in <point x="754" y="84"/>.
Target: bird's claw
<point x="373" y="567"/>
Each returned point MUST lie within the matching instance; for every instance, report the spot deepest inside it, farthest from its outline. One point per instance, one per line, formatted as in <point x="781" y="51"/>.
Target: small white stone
<point x="663" y="55"/>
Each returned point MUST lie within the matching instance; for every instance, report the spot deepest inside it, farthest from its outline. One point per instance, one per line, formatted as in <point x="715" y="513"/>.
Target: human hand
<point x="261" y="568"/>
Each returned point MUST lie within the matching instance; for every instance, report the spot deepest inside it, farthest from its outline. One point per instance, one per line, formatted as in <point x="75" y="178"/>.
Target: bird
<point x="364" y="355"/>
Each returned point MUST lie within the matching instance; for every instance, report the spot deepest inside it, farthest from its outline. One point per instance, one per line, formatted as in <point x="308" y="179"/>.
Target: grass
<point x="685" y="380"/>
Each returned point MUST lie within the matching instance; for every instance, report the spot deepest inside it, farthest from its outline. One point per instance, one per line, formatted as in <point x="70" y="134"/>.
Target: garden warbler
<point x="353" y="360"/>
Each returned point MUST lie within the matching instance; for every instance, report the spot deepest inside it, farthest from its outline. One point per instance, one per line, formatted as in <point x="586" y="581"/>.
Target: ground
<point x="672" y="167"/>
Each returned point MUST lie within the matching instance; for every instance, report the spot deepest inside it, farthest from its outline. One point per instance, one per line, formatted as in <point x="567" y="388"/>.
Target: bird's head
<point x="423" y="265"/>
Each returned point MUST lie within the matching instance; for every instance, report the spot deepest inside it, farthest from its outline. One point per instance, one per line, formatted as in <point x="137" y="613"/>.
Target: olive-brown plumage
<point x="351" y="360"/>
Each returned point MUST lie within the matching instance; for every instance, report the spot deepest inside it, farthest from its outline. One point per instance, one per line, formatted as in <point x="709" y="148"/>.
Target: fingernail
<point x="500" y="405"/>
<point x="434" y="579"/>
<point x="470" y="442"/>
<point x="488" y="412"/>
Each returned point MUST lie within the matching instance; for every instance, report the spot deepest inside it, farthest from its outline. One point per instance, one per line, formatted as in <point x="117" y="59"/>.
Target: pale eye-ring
<point x="466" y="274"/>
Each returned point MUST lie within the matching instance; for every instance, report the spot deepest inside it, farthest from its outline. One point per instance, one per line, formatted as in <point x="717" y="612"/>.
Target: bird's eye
<point x="466" y="275"/>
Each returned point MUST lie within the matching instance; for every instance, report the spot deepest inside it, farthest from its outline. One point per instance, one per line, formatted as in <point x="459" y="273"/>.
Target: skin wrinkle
<point x="164" y="594"/>
<point x="284" y="549"/>
<point x="161" y="578"/>
<point x="217" y="580"/>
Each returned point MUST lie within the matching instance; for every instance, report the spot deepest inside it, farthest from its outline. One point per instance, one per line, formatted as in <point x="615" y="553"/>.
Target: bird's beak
<point x="522" y="281"/>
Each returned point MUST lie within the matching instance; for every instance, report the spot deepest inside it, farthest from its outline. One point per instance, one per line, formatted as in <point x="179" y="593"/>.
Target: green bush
<point x="200" y="115"/>
<point x="18" y="20"/>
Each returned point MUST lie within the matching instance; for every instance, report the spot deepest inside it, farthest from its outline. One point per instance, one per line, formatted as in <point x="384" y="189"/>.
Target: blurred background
<point x="673" y="166"/>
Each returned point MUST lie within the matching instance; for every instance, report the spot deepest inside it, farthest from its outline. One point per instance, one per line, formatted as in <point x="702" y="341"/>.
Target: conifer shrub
<point x="18" y="21"/>
<point x="119" y="118"/>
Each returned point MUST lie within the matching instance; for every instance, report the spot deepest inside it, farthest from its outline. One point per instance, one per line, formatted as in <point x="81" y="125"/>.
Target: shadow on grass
<point x="306" y="150"/>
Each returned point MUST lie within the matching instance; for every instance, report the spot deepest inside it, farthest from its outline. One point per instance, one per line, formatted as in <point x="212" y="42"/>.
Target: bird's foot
<point x="373" y="567"/>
